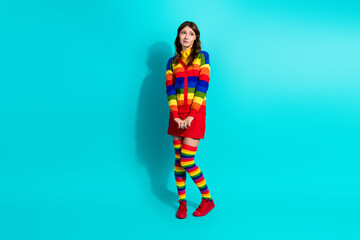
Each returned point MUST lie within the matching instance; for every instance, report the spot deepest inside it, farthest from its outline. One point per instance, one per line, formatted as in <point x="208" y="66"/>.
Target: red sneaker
<point x="181" y="213"/>
<point x="205" y="206"/>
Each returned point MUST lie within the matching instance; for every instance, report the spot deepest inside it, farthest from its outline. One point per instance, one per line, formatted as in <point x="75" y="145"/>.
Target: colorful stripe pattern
<point x="180" y="173"/>
<point x="189" y="83"/>
<point x="187" y="162"/>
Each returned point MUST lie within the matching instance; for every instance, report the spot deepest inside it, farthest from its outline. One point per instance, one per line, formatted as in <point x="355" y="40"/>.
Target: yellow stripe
<point x="201" y="184"/>
<point x="177" y="66"/>
<point x="205" y="66"/>
<point x="197" y="171"/>
<point x="172" y="102"/>
<point x="207" y="195"/>
<point x="180" y="183"/>
<point x="198" y="100"/>
<point x="180" y="96"/>
<point x="187" y="164"/>
<point x="188" y="151"/>
<point x="180" y="169"/>
<point x="197" y="61"/>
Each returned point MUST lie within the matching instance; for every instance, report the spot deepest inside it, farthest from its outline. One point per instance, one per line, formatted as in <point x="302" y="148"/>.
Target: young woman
<point x="187" y="81"/>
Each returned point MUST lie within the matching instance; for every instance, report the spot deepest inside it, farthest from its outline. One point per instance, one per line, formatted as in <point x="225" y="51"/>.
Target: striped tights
<point x="184" y="162"/>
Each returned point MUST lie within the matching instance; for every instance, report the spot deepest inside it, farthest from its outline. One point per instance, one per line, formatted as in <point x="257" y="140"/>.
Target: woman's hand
<point x="180" y="122"/>
<point x="184" y="124"/>
<point x="188" y="121"/>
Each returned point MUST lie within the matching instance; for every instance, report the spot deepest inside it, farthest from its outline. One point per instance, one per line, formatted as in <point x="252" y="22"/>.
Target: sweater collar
<point x="186" y="53"/>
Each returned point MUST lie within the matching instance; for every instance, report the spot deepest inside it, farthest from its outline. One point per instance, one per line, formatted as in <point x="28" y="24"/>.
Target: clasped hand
<point x="184" y="123"/>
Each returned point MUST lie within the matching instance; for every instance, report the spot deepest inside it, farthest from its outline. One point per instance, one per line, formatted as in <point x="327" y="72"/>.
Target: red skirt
<point x="196" y="129"/>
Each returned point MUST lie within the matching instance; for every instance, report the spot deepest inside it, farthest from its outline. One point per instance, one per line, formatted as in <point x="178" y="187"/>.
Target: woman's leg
<point x="180" y="173"/>
<point x="187" y="156"/>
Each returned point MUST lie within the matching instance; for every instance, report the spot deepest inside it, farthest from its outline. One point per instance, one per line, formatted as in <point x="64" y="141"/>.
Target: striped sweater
<point x="186" y="87"/>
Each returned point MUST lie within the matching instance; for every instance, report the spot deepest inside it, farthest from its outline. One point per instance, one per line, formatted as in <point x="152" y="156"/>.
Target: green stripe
<point x="187" y="154"/>
<point x="200" y="94"/>
<point x="202" y="59"/>
<point x="203" y="187"/>
<point x="191" y="90"/>
<point x="171" y="97"/>
<point x="197" y="175"/>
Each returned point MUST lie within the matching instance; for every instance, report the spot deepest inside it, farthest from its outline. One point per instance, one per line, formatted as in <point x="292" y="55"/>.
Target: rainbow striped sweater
<point x="186" y="87"/>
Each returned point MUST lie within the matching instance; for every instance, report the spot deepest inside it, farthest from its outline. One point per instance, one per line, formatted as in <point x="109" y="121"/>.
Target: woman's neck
<point x="185" y="49"/>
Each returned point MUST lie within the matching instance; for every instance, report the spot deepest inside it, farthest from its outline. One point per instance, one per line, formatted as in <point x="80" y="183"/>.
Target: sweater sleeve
<point x="170" y="90"/>
<point x="203" y="84"/>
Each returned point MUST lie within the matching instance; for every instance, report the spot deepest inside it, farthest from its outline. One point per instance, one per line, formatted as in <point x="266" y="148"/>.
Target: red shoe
<point x="205" y="206"/>
<point x="181" y="213"/>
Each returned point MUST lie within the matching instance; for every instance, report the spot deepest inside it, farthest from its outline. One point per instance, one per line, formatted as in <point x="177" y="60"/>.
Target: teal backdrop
<point x="84" y="150"/>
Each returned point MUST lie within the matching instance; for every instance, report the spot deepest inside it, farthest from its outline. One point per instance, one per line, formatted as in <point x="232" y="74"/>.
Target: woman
<point x="187" y="81"/>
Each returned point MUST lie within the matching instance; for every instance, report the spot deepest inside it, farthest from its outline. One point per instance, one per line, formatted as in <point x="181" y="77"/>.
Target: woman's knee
<point x="177" y="138"/>
<point x="194" y="142"/>
<point x="185" y="163"/>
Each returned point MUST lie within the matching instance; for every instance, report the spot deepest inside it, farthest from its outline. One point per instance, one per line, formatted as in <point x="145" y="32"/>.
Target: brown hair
<point x="196" y="48"/>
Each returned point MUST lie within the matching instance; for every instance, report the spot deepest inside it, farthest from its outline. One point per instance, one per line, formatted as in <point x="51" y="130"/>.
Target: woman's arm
<point x="170" y="90"/>
<point x="203" y="84"/>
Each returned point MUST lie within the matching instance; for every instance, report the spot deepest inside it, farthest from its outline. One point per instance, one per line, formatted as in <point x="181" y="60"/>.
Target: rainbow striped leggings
<point x="184" y="162"/>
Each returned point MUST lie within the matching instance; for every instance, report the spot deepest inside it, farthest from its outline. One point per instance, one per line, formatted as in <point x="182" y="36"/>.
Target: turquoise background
<point x="84" y="150"/>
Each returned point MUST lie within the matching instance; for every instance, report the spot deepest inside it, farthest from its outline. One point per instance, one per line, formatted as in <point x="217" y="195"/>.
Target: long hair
<point x="196" y="48"/>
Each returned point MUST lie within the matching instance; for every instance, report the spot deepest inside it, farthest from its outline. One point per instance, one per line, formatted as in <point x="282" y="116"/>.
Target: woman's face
<point x="187" y="37"/>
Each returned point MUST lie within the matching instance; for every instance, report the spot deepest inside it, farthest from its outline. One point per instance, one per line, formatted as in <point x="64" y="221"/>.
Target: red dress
<point x="197" y="125"/>
<point x="196" y="129"/>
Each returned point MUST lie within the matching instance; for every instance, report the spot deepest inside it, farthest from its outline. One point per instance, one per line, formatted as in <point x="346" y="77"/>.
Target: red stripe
<point x="200" y="179"/>
<point x="188" y="147"/>
<point x="206" y="191"/>
<point x="185" y="160"/>
<point x="191" y="171"/>
<point x="176" y="142"/>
